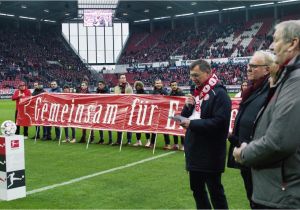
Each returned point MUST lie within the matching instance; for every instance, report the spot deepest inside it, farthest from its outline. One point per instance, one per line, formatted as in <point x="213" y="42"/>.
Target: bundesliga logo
<point x="15" y="144"/>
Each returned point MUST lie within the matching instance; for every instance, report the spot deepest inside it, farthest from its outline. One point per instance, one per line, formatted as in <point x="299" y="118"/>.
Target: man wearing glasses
<point x="208" y="112"/>
<point x="253" y="99"/>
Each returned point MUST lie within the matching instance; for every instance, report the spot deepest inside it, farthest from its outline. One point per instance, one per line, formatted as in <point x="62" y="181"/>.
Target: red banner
<point x="234" y="110"/>
<point x="137" y="113"/>
<point x="125" y="112"/>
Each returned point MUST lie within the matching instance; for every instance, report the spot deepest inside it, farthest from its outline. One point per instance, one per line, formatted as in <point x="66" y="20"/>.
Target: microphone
<point x="189" y="105"/>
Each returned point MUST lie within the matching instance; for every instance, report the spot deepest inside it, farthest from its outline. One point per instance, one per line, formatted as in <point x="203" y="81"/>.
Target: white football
<point x="8" y="128"/>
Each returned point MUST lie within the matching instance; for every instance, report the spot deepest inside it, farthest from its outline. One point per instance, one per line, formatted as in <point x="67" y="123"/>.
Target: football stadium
<point x="115" y="104"/>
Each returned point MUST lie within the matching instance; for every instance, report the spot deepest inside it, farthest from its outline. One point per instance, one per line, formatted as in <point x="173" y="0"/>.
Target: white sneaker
<point x="66" y="141"/>
<point x="138" y="143"/>
<point x="25" y="137"/>
<point x="148" y="143"/>
<point x="73" y="141"/>
<point x="181" y="148"/>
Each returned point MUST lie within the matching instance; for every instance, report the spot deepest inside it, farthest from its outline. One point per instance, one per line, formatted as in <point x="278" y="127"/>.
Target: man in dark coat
<point x="176" y="91"/>
<point x="38" y="89"/>
<point x="159" y="90"/>
<point x="253" y="99"/>
<point x="54" y="89"/>
<point x="103" y="89"/>
<point x="207" y="124"/>
<point x="84" y="89"/>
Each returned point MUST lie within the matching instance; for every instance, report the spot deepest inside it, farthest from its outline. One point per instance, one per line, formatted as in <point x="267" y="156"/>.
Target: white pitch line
<point x="96" y="174"/>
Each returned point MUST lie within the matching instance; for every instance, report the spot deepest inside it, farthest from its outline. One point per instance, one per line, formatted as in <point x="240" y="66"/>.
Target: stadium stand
<point x="30" y="56"/>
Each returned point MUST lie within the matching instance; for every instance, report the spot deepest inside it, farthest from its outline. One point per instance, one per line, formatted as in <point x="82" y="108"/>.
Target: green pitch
<point x="160" y="183"/>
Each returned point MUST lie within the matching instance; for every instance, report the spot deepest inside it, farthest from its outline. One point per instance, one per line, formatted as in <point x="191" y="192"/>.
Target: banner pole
<point x="60" y="134"/>
<point x="156" y="134"/>
<point x="36" y="132"/>
<point x="121" y="143"/>
<point x="87" y="144"/>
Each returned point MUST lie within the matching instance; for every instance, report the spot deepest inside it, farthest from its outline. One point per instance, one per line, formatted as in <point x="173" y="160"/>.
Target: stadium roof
<point x="133" y="11"/>
<point x="58" y="11"/>
<point x="126" y="10"/>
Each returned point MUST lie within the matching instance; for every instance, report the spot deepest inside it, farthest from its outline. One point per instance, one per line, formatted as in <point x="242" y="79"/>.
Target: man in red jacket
<point x="22" y="92"/>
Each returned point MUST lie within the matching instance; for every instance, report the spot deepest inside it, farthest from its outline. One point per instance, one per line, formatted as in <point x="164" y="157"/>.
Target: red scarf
<point x="208" y="85"/>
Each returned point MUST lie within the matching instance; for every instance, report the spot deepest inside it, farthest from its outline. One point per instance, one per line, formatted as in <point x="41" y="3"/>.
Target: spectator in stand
<point x="85" y="90"/>
<point x="176" y="91"/>
<point x="253" y="99"/>
<point x="244" y="86"/>
<point x="38" y="89"/>
<point x="22" y="92"/>
<point x="66" y="89"/>
<point x="54" y="89"/>
<point x="139" y="89"/>
<point x="159" y="90"/>
<point x="103" y="89"/>
<point x="123" y="88"/>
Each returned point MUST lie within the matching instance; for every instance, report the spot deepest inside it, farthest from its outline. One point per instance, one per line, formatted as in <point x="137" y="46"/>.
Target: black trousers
<point x="139" y="136"/>
<point x="199" y="181"/>
<point x="247" y="178"/>
<point x="119" y="137"/>
<point x="18" y="127"/>
<point x="102" y="135"/>
<point x="83" y="137"/>
<point x="38" y="130"/>
<point x="57" y="132"/>
<point x="176" y="139"/>
<point x="166" y="137"/>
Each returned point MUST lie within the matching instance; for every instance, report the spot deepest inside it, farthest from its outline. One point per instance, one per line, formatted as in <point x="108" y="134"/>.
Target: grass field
<point x="160" y="183"/>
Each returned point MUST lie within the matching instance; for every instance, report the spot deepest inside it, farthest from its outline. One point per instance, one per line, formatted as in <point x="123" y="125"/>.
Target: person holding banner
<point x="273" y="154"/>
<point x="66" y="89"/>
<point x="38" y="89"/>
<point x="139" y="89"/>
<point x="54" y="89"/>
<point x="207" y="124"/>
<point x="253" y="99"/>
<point x="84" y="90"/>
<point x="176" y="91"/>
<point x="22" y="92"/>
<point x="123" y="88"/>
<point x="103" y="89"/>
<point x="159" y="90"/>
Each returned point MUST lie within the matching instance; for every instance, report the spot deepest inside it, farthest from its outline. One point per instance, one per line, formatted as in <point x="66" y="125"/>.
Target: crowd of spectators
<point x="186" y="42"/>
<point x="31" y="56"/>
<point x="229" y="73"/>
